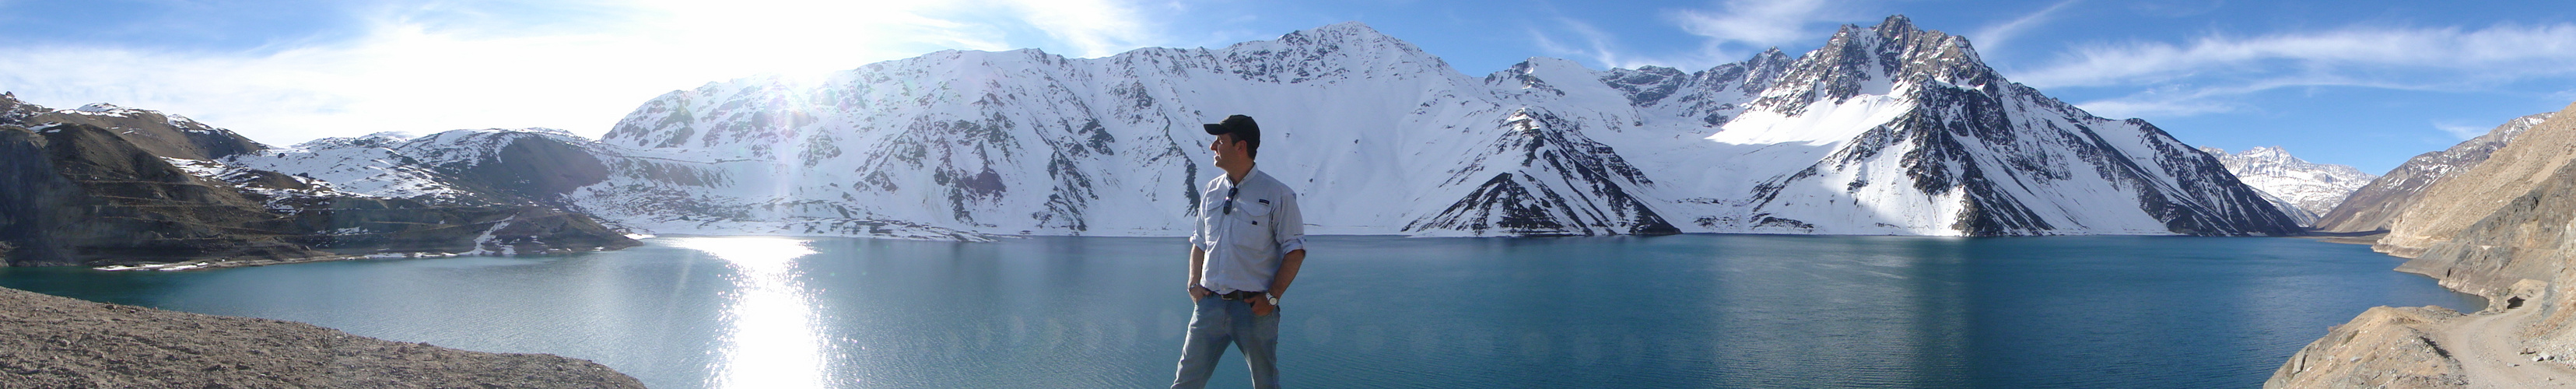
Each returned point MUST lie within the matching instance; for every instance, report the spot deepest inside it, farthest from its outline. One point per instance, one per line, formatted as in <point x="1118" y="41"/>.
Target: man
<point x="1248" y="245"/>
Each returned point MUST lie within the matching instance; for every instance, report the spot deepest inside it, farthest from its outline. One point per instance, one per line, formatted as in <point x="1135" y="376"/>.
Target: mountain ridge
<point x="2303" y="189"/>
<point x="2374" y="205"/>
<point x="1923" y="140"/>
<point x="125" y="188"/>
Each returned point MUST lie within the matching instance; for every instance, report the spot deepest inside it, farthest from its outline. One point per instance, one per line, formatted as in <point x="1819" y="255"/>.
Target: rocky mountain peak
<point x="1348" y="28"/>
<point x="1333" y="52"/>
<point x="14" y="111"/>
<point x="1895" y="26"/>
<point x="165" y="135"/>
<point x="1772" y="55"/>
<point x="2274" y="153"/>
<point x="1352" y="36"/>
<point x="2312" y="189"/>
<point x="1873" y="61"/>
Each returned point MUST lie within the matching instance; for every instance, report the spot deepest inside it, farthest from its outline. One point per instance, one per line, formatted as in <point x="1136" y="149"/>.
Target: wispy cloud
<point x="2490" y="54"/>
<point x="2178" y="99"/>
<point x="1990" y="38"/>
<point x="2209" y="74"/>
<point x="1598" y="46"/>
<point x="2464" y="132"/>
<point x="1095" y="27"/>
<point x="1730" y="31"/>
<point x="1740" y="24"/>
<point x="438" y="65"/>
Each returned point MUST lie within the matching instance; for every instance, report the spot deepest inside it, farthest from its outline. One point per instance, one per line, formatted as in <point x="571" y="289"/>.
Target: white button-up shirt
<point x="1245" y="244"/>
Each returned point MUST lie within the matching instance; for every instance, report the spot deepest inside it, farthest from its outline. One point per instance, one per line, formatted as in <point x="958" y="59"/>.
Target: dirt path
<point x="2490" y="358"/>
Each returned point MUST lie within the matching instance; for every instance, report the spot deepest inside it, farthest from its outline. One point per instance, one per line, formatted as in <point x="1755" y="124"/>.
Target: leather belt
<point x="1239" y="295"/>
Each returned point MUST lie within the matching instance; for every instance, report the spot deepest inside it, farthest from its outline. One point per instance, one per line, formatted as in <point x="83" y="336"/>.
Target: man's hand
<point x="1198" y="292"/>
<point x="1261" y="306"/>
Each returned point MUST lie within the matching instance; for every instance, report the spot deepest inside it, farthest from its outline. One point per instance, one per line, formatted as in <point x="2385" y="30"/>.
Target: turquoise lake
<point x="1086" y="312"/>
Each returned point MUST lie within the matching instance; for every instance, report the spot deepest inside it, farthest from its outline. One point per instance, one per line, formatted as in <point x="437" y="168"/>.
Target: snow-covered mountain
<point x="1885" y="130"/>
<point x="534" y="165"/>
<point x="2309" y="189"/>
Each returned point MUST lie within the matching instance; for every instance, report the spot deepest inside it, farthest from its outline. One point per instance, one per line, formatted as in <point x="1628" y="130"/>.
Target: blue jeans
<point x="1217" y="322"/>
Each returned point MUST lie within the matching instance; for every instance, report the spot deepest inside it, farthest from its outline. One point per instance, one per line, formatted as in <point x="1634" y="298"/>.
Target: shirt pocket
<point x="1255" y="210"/>
<point x="1252" y="229"/>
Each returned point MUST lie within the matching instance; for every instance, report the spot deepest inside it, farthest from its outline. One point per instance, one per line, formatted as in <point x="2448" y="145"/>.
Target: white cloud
<point x="1756" y="22"/>
<point x="2169" y="100"/>
<point x="2213" y="73"/>
<point x="2490" y="54"/>
<point x="2464" y="132"/>
<point x="1094" y="27"/>
<point x="426" y="67"/>
<point x="1732" y="31"/>
<point x="1994" y="36"/>
<point x="1595" y="44"/>
<point x="2153" y="107"/>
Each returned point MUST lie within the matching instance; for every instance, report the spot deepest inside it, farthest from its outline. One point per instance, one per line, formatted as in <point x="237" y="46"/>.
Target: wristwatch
<point x="1274" y="298"/>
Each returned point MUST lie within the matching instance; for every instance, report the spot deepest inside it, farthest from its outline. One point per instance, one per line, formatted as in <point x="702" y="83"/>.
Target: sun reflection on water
<point x="772" y="342"/>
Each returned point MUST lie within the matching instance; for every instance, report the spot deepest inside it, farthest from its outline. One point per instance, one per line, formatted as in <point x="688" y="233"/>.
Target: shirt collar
<point x="1248" y="175"/>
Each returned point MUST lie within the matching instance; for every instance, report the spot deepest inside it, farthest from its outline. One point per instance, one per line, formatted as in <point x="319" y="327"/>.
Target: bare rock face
<point x="2500" y="229"/>
<point x="105" y="186"/>
<point x="2386" y="347"/>
<point x="2524" y="239"/>
<point x="161" y="133"/>
<point x="56" y="342"/>
<point x="2453" y="204"/>
<point x="2370" y="207"/>
<point x="78" y="193"/>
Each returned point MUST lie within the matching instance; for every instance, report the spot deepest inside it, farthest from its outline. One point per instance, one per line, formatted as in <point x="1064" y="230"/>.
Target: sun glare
<point x="772" y="342"/>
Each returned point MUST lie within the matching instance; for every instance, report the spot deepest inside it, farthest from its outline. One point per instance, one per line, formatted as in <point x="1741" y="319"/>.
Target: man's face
<point x="1227" y="150"/>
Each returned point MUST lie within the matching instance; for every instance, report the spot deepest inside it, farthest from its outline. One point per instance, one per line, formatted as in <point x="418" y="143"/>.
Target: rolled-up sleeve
<point x="1199" y="224"/>
<point x="1288" y="224"/>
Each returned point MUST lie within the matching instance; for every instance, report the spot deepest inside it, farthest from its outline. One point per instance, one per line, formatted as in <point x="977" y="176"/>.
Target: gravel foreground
<point x="56" y="342"/>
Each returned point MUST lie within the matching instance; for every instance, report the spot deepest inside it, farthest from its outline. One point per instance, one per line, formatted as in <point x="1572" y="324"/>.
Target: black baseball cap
<point x="1242" y="127"/>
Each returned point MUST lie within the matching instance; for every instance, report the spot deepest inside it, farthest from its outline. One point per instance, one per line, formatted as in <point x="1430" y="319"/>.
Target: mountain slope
<point x="2499" y="229"/>
<point x="2372" y="206"/>
<point x="154" y="190"/>
<point x="1885" y="130"/>
<point x="2453" y="204"/>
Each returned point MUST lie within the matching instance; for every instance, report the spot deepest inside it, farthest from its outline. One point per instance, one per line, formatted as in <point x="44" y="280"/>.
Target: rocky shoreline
<point x="2501" y="226"/>
<point x="55" y="342"/>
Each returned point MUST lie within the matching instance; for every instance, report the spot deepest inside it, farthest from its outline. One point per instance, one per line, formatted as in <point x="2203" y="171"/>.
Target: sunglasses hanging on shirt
<point x="1229" y="199"/>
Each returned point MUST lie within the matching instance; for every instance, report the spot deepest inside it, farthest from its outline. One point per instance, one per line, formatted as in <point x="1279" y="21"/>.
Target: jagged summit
<point x="1897" y="22"/>
<point x="2304" y="189"/>
<point x="1343" y="32"/>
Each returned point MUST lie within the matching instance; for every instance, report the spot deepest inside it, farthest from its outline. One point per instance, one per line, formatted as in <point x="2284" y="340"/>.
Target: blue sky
<point x="2364" y="83"/>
